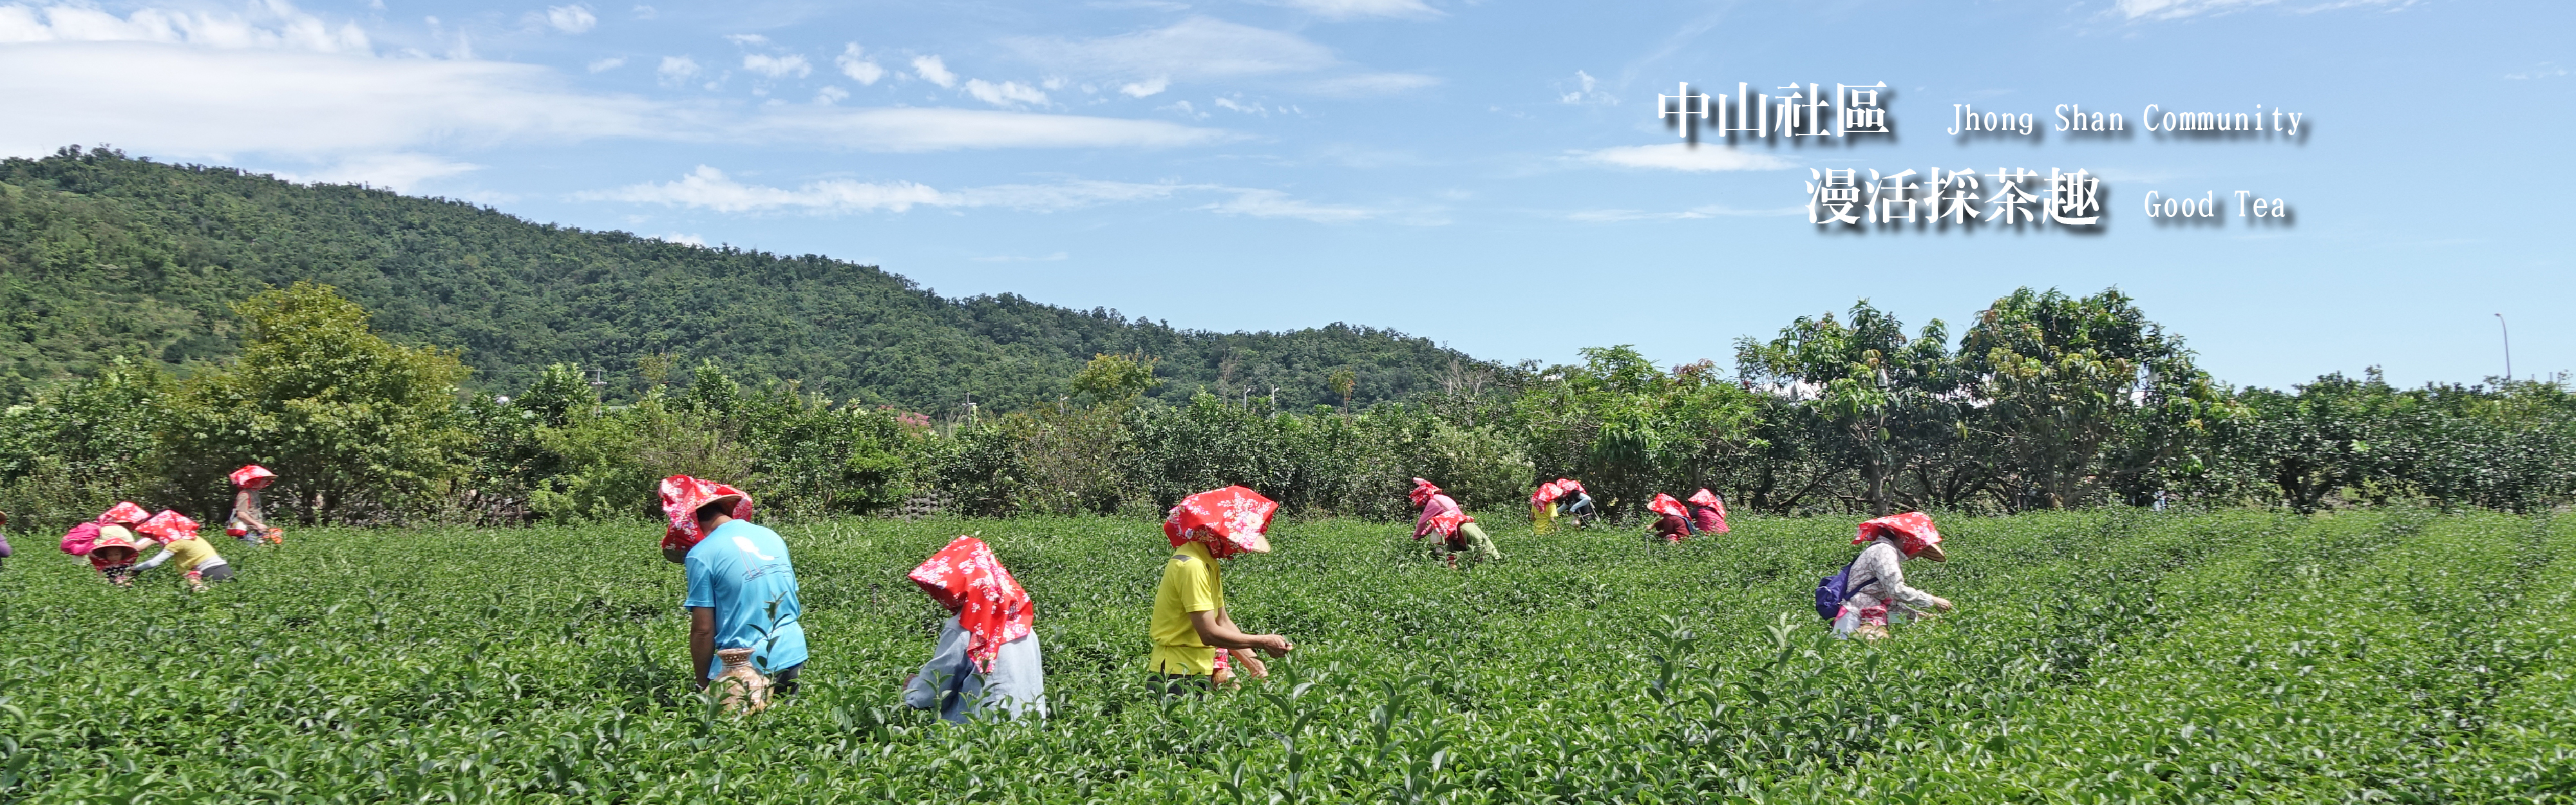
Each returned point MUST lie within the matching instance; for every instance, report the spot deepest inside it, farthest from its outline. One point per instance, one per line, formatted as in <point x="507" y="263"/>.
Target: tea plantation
<point x="2096" y="657"/>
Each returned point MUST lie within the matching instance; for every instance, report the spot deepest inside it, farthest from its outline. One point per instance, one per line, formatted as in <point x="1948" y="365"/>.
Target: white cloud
<point x="931" y="69"/>
<point x="913" y="130"/>
<point x="571" y="19"/>
<point x="1146" y="88"/>
<point x="400" y="172"/>
<point x="855" y="64"/>
<point x="710" y="188"/>
<point x="206" y="103"/>
<point x="830" y="95"/>
<point x="1007" y="93"/>
<point x="1585" y="90"/>
<point x="777" y="66"/>
<point x="1371" y="84"/>
<point x="1706" y="211"/>
<point x="747" y="39"/>
<point x="291" y="91"/>
<point x="1275" y="204"/>
<point x="1192" y="49"/>
<point x="2541" y="70"/>
<point x="676" y="69"/>
<point x="607" y="64"/>
<point x="275" y="25"/>
<point x="1246" y="108"/>
<point x="1346" y="9"/>
<point x="1684" y="157"/>
<point x="2177" y="9"/>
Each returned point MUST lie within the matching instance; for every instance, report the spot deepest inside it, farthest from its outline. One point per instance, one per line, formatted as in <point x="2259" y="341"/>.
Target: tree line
<point x="2045" y="401"/>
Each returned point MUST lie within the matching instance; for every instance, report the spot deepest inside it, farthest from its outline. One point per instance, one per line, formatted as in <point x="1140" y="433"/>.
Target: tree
<point x="1883" y="392"/>
<point x="2068" y="383"/>
<point x="353" y="424"/>
<point x="1115" y="379"/>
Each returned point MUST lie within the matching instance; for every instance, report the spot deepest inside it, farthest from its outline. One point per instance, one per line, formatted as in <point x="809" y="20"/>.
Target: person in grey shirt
<point x="988" y="650"/>
<point x="1877" y="577"/>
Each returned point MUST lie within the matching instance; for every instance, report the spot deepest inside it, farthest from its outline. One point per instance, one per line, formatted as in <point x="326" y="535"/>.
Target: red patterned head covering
<point x="1912" y="531"/>
<point x="1546" y="493"/>
<point x="1569" y="486"/>
<point x="168" y="526"/>
<point x="683" y="496"/>
<point x="253" y="476"/>
<point x="125" y="512"/>
<point x="1665" y="504"/>
<point x="1226" y="520"/>
<point x="1707" y="498"/>
<point x="965" y="578"/>
<point x="1422" y="492"/>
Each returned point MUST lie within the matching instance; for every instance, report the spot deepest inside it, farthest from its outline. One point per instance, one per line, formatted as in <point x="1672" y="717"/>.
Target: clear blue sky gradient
<point x="1426" y="165"/>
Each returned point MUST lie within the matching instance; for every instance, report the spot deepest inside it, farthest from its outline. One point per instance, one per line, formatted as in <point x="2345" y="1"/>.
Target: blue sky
<point x="1491" y="175"/>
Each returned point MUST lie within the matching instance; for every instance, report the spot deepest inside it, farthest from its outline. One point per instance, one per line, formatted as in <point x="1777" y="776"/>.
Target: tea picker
<point x="1862" y="598"/>
<point x="742" y="592"/>
<point x="1707" y="513"/>
<point x="1458" y="532"/>
<point x="1543" y="508"/>
<point x="247" y="523"/>
<point x="109" y="542"/>
<point x="1672" y="522"/>
<point x="177" y="536"/>
<point x="1196" y="644"/>
<point x="1574" y="501"/>
<point x="988" y="651"/>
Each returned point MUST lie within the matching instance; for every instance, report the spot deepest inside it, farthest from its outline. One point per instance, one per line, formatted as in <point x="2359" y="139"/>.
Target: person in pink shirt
<point x="1458" y="532"/>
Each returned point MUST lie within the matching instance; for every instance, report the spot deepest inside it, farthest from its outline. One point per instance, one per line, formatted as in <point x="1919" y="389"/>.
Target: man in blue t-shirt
<point x="742" y="594"/>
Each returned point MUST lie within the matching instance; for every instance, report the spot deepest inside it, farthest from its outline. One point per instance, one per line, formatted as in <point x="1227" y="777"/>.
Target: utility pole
<point x="2508" y="347"/>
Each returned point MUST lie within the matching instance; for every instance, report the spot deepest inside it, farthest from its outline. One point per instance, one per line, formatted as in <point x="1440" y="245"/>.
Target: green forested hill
<point x="102" y="254"/>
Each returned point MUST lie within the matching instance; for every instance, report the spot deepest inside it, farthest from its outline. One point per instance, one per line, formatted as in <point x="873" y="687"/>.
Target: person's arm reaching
<point x="1217" y="630"/>
<point x="702" y="643"/>
<point x="155" y="561"/>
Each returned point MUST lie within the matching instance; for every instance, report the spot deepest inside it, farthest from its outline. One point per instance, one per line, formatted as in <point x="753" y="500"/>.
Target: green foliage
<point x="79" y="447"/>
<point x="2102" y="656"/>
<point x="102" y="255"/>
<point x="355" y="426"/>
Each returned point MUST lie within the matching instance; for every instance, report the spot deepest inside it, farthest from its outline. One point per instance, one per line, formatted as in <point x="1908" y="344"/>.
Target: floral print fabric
<point x="990" y="605"/>
<point x="125" y="512"/>
<point x="168" y="526"/>
<point x="252" y="476"/>
<point x="682" y="496"/>
<point x="1912" y="532"/>
<point x="1227" y="521"/>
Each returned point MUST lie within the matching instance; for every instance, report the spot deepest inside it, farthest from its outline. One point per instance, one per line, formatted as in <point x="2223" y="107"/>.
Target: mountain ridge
<point x="103" y="254"/>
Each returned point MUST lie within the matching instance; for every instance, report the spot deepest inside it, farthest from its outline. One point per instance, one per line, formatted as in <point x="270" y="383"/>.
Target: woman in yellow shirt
<point x="178" y="538"/>
<point x="1196" y="643"/>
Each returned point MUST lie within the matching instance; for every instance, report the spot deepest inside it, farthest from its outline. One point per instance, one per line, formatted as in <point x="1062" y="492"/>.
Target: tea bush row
<point x="2096" y="657"/>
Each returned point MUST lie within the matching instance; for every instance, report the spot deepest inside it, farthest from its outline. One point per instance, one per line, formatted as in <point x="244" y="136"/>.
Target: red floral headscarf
<point x="1665" y="504"/>
<point x="168" y="526"/>
<point x="965" y="578"/>
<point x="1422" y="492"/>
<point x="253" y="476"/>
<point x="682" y="496"/>
<point x="1569" y="486"/>
<point x="1912" y="531"/>
<point x="1711" y="517"/>
<point x="1227" y="521"/>
<point x="125" y="512"/>
<point x="1547" y="493"/>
